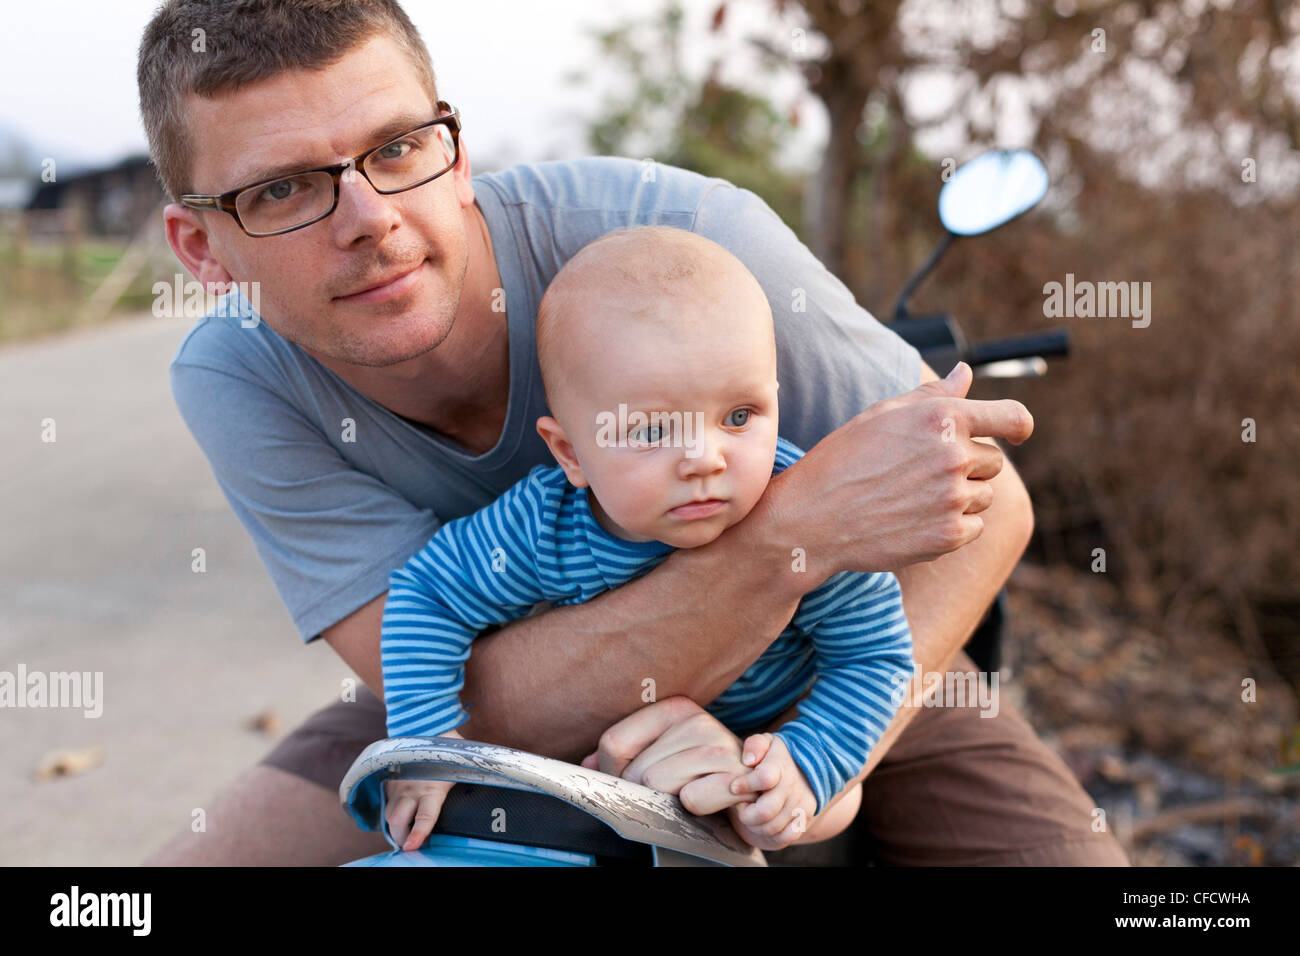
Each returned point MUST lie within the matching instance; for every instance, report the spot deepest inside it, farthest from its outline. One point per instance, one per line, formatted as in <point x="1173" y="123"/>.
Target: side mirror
<point x="990" y="190"/>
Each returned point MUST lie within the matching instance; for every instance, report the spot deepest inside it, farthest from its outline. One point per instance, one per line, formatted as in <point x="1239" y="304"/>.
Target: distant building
<point x="115" y="200"/>
<point x="15" y="193"/>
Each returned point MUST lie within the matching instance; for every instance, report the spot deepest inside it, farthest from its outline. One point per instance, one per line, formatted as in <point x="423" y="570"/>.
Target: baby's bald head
<point x="658" y="279"/>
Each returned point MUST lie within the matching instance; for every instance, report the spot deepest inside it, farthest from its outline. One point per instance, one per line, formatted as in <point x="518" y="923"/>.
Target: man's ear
<point x="463" y="177"/>
<point x="552" y="433"/>
<point x="189" y="240"/>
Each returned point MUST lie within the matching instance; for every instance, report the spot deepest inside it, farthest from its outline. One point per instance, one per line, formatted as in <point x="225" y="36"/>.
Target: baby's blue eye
<point x="649" y="434"/>
<point x="740" y="411"/>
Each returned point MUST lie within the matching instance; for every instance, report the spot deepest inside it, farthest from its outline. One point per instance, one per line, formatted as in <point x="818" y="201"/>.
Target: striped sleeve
<point x="863" y="649"/>
<point x="476" y="572"/>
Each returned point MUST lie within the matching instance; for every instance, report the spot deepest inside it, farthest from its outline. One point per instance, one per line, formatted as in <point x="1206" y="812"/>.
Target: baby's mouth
<point x="698" y="509"/>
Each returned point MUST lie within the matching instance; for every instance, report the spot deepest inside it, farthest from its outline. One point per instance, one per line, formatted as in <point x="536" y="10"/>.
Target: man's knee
<point x="959" y="788"/>
<point x="269" y="817"/>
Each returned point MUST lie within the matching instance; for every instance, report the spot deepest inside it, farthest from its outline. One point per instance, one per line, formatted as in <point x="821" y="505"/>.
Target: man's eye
<point x="279" y="190"/>
<point x="744" y="413"/>
<point x="395" y="150"/>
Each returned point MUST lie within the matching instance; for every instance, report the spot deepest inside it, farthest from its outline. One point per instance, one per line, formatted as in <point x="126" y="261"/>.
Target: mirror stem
<point x="900" y="309"/>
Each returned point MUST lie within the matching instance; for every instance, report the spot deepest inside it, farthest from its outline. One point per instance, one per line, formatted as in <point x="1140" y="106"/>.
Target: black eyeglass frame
<point x="225" y="202"/>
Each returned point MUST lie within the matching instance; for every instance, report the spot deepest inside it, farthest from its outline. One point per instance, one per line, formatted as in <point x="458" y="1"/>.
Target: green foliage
<point x="701" y="124"/>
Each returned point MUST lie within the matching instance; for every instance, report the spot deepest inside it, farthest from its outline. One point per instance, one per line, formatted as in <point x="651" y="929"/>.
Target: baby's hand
<point x="786" y="804"/>
<point x="418" y="799"/>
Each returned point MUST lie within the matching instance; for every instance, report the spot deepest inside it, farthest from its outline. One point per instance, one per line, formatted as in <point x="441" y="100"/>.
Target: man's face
<point x="379" y="280"/>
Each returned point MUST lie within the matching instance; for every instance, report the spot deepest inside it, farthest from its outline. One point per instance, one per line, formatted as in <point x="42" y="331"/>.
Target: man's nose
<point x="362" y="212"/>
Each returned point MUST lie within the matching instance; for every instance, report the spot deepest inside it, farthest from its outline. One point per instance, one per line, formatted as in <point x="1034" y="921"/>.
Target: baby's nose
<point x="703" y="457"/>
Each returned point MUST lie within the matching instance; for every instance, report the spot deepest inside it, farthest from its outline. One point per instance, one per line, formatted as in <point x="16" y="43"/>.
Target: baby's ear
<point x="552" y="433"/>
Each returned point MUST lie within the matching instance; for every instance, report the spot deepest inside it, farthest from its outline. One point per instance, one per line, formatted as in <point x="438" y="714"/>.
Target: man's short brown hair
<point x="242" y="42"/>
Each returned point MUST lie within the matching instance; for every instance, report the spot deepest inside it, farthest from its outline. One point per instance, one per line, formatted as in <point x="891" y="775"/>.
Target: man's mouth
<point x="386" y="288"/>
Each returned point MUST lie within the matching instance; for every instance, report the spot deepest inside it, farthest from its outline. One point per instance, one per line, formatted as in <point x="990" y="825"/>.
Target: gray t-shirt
<point x="331" y="518"/>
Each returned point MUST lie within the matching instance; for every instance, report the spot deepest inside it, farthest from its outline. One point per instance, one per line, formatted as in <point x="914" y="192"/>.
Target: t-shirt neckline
<point x="504" y="246"/>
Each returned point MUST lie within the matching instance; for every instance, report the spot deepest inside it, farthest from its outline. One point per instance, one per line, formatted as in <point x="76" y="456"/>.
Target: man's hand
<point x="903" y="482"/>
<point x="675" y="746"/>
<point x="786" y="804"/>
<point x="418" y="799"/>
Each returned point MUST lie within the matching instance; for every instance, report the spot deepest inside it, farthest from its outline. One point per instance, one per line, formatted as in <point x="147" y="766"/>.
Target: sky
<point x="67" y="72"/>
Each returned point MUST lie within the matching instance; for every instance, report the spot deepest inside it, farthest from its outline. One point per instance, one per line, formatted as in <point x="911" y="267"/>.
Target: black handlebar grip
<point x="1052" y="342"/>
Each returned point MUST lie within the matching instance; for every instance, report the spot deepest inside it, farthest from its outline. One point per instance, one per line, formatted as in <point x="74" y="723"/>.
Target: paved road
<point x="95" y="575"/>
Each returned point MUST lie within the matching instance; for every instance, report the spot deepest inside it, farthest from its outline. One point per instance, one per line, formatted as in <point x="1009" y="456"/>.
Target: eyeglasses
<point x="276" y="206"/>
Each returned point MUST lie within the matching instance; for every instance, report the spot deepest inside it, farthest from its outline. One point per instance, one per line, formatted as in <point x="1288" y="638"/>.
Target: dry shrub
<point x="1138" y="442"/>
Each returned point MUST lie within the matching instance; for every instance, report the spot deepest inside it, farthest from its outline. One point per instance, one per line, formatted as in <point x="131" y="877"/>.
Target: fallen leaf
<point x="267" y="722"/>
<point x="68" y="763"/>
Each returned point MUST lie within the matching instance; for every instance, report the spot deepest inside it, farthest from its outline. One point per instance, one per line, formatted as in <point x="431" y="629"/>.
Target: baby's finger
<point x="755" y="749"/>
<point x="425" y="817"/>
<point x="764" y="809"/>
<point x="399" y="816"/>
<point x="792" y="833"/>
<point x="591" y="761"/>
<point x="779" y="822"/>
<point x="765" y="776"/>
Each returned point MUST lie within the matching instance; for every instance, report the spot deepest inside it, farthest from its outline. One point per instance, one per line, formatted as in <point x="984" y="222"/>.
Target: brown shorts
<point x="955" y="789"/>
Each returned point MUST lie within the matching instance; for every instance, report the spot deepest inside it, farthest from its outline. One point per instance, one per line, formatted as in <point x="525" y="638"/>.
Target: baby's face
<point x="697" y="423"/>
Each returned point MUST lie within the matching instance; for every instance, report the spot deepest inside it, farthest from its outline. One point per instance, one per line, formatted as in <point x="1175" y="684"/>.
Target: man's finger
<point x="628" y="738"/>
<point x="981" y="497"/>
<point x="955" y="385"/>
<point x="1003" y="418"/>
<point x="705" y="795"/>
<point x="697" y="732"/>
<point x="987" y="461"/>
<point x="674" y="772"/>
<point x="972" y="526"/>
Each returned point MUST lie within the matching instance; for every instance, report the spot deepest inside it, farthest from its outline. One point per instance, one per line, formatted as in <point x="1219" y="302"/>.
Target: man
<point x="390" y="384"/>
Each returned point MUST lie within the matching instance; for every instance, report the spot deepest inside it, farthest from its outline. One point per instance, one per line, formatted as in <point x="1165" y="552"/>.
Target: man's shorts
<point x="955" y="789"/>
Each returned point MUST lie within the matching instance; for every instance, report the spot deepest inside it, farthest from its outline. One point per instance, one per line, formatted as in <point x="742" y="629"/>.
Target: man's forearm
<point x="945" y="599"/>
<point x="553" y="683"/>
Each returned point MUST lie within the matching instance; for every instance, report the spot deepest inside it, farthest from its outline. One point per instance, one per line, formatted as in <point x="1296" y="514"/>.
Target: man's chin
<point x="378" y="340"/>
<point x="375" y="351"/>
<point x="382" y="355"/>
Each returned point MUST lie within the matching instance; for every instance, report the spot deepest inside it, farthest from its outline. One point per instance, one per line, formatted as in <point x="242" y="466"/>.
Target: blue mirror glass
<point x="992" y="189"/>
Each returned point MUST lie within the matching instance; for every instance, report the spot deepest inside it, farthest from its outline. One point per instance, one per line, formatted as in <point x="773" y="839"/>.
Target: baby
<point x="658" y="357"/>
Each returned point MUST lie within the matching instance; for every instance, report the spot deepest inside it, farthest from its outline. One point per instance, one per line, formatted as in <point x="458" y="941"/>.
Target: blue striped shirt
<point x="849" y="639"/>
